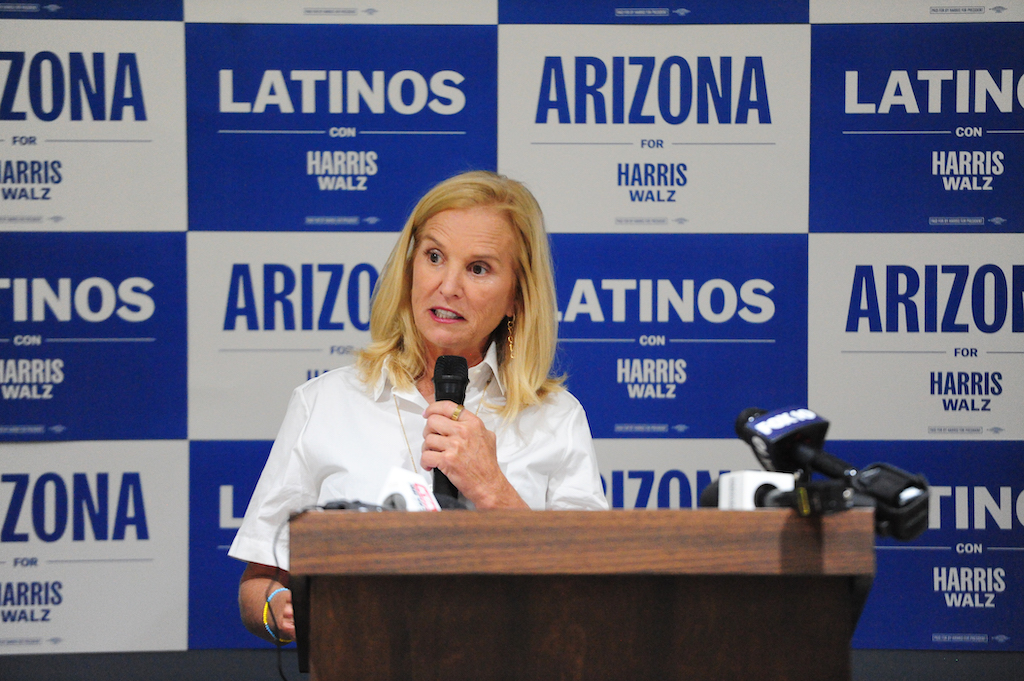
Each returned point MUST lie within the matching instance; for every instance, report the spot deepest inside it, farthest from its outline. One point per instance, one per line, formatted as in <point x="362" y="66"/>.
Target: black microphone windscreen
<point x="451" y="375"/>
<point x="709" y="497"/>
<point x="741" y="422"/>
<point x="451" y="365"/>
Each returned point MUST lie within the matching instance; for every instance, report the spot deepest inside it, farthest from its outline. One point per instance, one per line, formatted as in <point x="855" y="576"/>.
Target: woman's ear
<point x="515" y="305"/>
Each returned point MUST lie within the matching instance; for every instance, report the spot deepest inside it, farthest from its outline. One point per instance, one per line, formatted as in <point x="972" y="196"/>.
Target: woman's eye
<point x="434" y="257"/>
<point x="479" y="269"/>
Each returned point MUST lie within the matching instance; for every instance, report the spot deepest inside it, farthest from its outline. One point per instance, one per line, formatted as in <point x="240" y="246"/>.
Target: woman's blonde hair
<point x="397" y="341"/>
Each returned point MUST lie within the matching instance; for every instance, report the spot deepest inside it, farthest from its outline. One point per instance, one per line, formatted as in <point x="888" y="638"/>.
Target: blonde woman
<point x="470" y="276"/>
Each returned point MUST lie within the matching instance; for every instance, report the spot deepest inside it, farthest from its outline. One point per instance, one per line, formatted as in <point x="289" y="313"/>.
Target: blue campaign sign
<point x="959" y="585"/>
<point x="645" y="12"/>
<point x="151" y="10"/>
<point x="93" y="336"/>
<point x="333" y="127"/>
<point x="222" y="478"/>
<point x="917" y="128"/>
<point x="674" y="335"/>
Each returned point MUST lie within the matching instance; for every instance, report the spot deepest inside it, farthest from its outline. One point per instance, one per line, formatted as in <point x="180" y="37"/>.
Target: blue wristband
<point x="266" y="610"/>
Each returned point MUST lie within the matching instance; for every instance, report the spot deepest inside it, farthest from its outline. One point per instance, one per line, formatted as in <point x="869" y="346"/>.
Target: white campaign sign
<point x="911" y="336"/>
<point x="95" y="136"/>
<point x="95" y="547"/>
<point x="248" y="350"/>
<point x="658" y="129"/>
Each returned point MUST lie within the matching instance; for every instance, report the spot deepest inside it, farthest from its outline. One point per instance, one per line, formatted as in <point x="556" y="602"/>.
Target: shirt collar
<point x="479" y="376"/>
<point x="482" y="372"/>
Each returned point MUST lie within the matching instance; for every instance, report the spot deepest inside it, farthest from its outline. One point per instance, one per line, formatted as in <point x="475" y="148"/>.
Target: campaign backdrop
<point x="94" y="120"/>
<point x="649" y="338"/>
<point x="927" y="134"/>
<point x="269" y="310"/>
<point x="95" y="342"/>
<point x="927" y="326"/>
<point x="957" y="587"/>
<point x="750" y="205"/>
<point x="94" y="558"/>
<point x="315" y="127"/>
<point x="658" y="129"/>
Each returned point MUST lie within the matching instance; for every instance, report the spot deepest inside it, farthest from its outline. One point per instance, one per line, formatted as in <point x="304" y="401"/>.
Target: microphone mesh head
<point x="451" y="366"/>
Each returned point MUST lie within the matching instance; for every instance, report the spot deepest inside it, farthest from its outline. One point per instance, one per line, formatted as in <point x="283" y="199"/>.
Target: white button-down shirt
<point x="340" y="438"/>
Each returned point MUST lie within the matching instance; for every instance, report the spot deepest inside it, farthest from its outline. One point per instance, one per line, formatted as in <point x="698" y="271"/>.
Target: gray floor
<point x="260" y="665"/>
<point x="927" y="665"/>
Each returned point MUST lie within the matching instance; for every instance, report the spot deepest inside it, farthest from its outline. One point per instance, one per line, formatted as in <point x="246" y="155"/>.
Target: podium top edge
<point x="698" y="541"/>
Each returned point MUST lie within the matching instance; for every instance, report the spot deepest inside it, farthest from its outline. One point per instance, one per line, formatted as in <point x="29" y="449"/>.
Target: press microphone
<point x="404" y="490"/>
<point x="451" y="376"/>
<point x="709" y="496"/>
<point x="747" y="490"/>
<point x="790" y="441"/>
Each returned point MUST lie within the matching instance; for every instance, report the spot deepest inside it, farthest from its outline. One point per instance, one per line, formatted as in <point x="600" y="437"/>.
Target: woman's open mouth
<point x="441" y="313"/>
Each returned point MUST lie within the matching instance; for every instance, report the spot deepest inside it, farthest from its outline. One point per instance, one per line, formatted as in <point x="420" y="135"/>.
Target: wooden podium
<point x="690" y="594"/>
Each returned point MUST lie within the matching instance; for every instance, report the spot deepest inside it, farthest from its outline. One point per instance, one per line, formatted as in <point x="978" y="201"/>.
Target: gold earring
<point x="511" y="341"/>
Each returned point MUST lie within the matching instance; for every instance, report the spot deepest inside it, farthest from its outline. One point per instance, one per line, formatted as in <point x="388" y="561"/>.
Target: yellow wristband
<point x="266" y="624"/>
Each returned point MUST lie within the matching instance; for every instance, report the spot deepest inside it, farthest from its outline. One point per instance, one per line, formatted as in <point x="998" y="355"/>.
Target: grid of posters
<point x="749" y="205"/>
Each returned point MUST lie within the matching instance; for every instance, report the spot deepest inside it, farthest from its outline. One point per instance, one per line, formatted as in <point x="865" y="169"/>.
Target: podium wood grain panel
<point x="582" y="542"/>
<point x="697" y="594"/>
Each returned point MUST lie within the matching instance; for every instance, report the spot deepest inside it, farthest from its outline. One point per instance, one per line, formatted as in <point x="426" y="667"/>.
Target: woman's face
<point x="463" y="281"/>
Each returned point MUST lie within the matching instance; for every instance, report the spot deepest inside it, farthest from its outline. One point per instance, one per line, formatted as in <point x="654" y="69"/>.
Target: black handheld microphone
<point x="451" y="376"/>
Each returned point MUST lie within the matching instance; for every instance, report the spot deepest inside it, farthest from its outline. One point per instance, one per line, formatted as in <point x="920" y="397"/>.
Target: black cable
<point x="280" y="665"/>
<point x="277" y="566"/>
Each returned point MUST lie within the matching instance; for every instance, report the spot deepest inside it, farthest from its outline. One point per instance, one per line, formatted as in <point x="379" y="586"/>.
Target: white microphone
<point x="404" y="490"/>
<point x="738" y="490"/>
